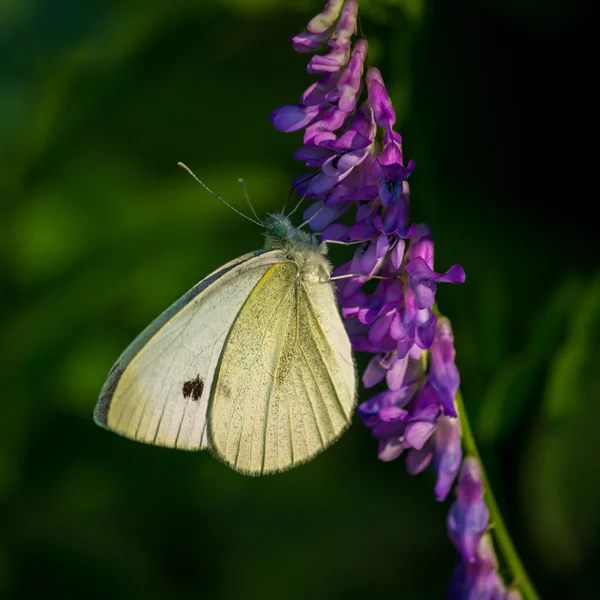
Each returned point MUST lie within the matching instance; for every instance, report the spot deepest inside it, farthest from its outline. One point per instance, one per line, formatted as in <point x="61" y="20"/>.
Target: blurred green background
<point x="100" y="231"/>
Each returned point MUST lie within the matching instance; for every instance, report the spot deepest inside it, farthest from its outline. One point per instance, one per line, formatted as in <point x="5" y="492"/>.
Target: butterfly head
<point x="300" y="246"/>
<point x="279" y="232"/>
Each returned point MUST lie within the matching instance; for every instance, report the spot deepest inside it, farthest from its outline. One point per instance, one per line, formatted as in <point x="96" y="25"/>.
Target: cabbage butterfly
<point x="253" y="362"/>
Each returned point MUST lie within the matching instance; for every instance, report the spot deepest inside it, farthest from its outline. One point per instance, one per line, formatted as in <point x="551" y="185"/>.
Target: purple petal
<point x="322" y="137"/>
<point x="292" y="117"/>
<point x="424" y="291"/>
<point x="364" y="124"/>
<point x="353" y="304"/>
<point x="352" y="140"/>
<point x="320" y="215"/>
<point x="314" y="156"/>
<point x="351" y="286"/>
<point x="390" y="449"/>
<point x="415" y="352"/>
<point x="426" y="321"/>
<point x="423" y="279"/>
<point x="422" y="245"/>
<point x="418" y="433"/>
<point x="427" y="399"/>
<point x="327" y="17"/>
<point x="392" y="413"/>
<point x="339" y="44"/>
<point x="369" y="410"/>
<point x="403" y="347"/>
<point x="448" y="455"/>
<point x="478" y="580"/>
<point x="350" y="160"/>
<point x="403" y="327"/>
<point x="350" y="81"/>
<point x="390" y="155"/>
<point x="309" y="42"/>
<point x="455" y="274"/>
<point x="329" y="120"/>
<point x="443" y="374"/>
<point x="329" y="63"/>
<point x="396" y="213"/>
<point x="382" y="245"/>
<point x="366" y="210"/>
<point x="392" y="290"/>
<point x="397" y="253"/>
<point x="336" y="232"/>
<point x="344" y="192"/>
<point x="395" y="375"/>
<point x="320" y="184"/>
<point x="323" y="90"/>
<point x="372" y="310"/>
<point x="384" y="114"/>
<point x="418" y="460"/>
<point x="362" y="231"/>
<point x="395" y="171"/>
<point x="418" y="269"/>
<point x="375" y="372"/>
<point x="468" y="517"/>
<point x="380" y="327"/>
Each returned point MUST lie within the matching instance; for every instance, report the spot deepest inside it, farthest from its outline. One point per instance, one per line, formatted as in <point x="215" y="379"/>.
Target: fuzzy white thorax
<point x="300" y="247"/>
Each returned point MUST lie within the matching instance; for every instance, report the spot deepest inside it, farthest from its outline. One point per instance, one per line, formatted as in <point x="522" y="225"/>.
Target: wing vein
<point x="290" y="373"/>
<point x="320" y="395"/>
<point x="237" y="401"/>
<point x="296" y="346"/>
<point x="316" y="342"/>
<point x="269" y="395"/>
<point x="147" y="400"/>
<point x="302" y="414"/>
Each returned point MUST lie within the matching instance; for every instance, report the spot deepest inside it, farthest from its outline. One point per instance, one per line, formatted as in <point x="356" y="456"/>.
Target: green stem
<point x="499" y="531"/>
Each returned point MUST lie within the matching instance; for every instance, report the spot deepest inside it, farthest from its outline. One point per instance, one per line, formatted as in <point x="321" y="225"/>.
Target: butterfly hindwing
<point x="286" y="383"/>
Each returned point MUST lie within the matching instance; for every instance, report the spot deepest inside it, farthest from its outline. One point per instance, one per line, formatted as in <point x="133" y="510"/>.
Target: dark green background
<point x="100" y="231"/>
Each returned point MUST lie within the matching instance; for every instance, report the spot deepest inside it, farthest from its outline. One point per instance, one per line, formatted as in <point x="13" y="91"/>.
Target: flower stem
<point x="499" y="531"/>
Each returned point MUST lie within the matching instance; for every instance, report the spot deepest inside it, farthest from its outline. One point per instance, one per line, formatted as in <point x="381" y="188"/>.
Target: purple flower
<point x="468" y="517"/>
<point x="397" y="429"/>
<point x="360" y="174"/>
<point x="479" y="579"/>
<point x="422" y="278"/>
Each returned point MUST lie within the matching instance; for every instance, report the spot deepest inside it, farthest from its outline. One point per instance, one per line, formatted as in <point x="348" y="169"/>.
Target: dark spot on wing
<point x="193" y="388"/>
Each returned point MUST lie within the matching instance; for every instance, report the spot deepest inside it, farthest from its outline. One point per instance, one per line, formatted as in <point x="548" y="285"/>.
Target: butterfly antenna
<point x="245" y="190"/>
<point x="186" y="168"/>
<point x="303" y="195"/>
<point x="309" y="220"/>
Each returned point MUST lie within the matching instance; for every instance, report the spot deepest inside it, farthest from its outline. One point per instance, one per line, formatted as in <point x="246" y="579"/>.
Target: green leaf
<point x="566" y="381"/>
<point x="513" y="385"/>
<point x="562" y="477"/>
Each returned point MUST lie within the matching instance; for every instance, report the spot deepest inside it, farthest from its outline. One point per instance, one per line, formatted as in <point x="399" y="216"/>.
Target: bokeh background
<point x="100" y="231"/>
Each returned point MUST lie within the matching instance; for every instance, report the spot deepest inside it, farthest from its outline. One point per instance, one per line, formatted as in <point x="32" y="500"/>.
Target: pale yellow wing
<point x="286" y="383"/>
<point x="158" y="390"/>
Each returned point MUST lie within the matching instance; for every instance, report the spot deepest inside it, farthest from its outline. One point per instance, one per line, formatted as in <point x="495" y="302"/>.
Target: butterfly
<point x="253" y="362"/>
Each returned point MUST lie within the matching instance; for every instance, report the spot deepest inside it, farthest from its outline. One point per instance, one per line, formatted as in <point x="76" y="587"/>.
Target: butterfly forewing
<point x="158" y="390"/>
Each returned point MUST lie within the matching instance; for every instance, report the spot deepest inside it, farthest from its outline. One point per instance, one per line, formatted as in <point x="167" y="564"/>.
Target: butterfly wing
<point x="158" y="390"/>
<point x="286" y="383"/>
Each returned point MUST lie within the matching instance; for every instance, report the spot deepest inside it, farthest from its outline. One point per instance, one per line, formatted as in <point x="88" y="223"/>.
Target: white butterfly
<point x="253" y="362"/>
